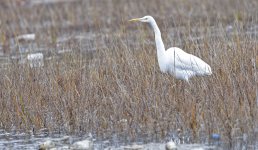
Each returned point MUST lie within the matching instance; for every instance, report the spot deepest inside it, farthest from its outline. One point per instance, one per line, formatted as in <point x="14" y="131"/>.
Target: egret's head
<point x="148" y="19"/>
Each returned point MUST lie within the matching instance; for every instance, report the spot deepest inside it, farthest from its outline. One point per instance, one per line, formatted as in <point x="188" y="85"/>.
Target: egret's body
<point x="174" y="60"/>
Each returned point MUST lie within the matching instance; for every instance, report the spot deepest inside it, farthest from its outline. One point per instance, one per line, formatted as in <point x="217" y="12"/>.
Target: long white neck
<point x="159" y="43"/>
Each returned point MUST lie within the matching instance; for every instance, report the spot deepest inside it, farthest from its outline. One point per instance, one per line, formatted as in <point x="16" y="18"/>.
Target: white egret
<point x="174" y="60"/>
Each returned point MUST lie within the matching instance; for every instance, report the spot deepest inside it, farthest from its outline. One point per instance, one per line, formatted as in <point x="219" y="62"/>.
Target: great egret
<point x="174" y="60"/>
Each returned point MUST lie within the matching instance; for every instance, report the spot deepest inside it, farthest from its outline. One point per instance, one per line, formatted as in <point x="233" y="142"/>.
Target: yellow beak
<point x="136" y="19"/>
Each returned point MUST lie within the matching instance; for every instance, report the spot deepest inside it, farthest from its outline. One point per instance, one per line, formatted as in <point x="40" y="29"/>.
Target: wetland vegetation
<point x="101" y="75"/>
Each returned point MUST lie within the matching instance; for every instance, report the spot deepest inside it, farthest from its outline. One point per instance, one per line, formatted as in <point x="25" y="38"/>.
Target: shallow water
<point x="28" y="141"/>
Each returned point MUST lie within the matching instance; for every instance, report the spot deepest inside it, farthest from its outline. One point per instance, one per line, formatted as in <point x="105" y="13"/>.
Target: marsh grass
<point x="118" y="88"/>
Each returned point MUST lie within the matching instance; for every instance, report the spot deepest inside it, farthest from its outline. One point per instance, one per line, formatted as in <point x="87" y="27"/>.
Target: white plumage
<point x="174" y="60"/>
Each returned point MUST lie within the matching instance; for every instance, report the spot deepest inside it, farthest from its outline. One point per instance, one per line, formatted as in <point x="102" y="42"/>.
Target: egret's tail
<point x="208" y="70"/>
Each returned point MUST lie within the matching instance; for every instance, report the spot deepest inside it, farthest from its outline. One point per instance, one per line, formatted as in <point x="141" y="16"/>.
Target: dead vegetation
<point x="120" y="88"/>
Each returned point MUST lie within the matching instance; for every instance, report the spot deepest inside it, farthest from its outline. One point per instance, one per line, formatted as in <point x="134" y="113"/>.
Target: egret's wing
<point x="188" y="62"/>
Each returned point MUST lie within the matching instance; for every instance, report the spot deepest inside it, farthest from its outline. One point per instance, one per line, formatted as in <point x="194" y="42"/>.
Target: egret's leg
<point x="183" y="90"/>
<point x="187" y="84"/>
